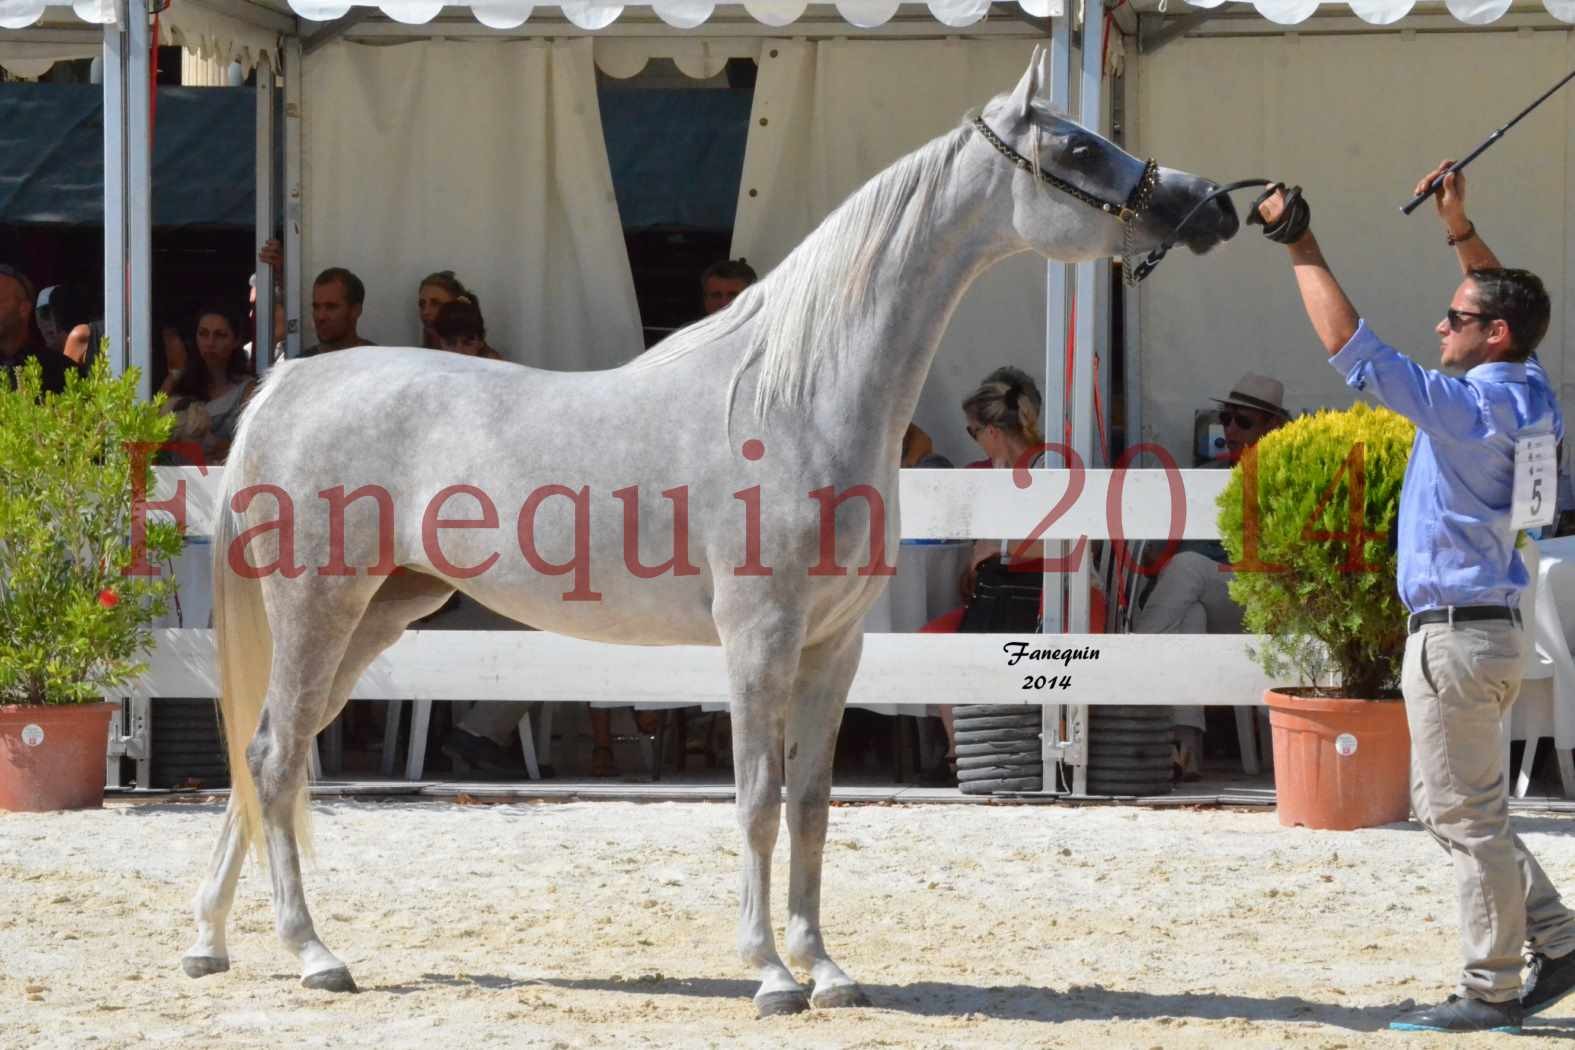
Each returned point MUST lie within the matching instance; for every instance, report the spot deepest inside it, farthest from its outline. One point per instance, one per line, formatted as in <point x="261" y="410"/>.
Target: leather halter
<point x="1127" y="212"/>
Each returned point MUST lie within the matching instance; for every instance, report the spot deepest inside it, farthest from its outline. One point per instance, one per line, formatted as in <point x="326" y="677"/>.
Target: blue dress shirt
<point x="1455" y="543"/>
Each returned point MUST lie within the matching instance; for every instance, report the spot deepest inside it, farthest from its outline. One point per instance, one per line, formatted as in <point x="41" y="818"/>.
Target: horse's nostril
<point x="1229" y="223"/>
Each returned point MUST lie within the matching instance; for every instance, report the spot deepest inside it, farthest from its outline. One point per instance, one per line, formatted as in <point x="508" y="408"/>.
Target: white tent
<point x="402" y="107"/>
<point x="385" y="106"/>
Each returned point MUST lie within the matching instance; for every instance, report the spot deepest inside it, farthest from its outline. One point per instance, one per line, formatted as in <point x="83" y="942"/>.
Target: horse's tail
<point x="241" y="634"/>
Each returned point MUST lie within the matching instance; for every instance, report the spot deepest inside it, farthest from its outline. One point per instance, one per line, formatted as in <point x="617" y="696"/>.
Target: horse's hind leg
<point x="399" y="601"/>
<point x="825" y="674"/>
<point x="210" y="954"/>
<point x="762" y="663"/>
<point x="297" y="709"/>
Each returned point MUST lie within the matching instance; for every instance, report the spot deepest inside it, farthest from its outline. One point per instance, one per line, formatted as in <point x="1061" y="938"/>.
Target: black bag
<point x="1004" y="601"/>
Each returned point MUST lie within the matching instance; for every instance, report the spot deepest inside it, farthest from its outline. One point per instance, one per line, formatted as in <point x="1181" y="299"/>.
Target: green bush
<point x="1324" y="603"/>
<point x="73" y="624"/>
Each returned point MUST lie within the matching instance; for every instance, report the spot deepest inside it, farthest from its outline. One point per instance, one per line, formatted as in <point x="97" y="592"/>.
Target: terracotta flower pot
<point x="52" y="757"/>
<point x="1339" y="764"/>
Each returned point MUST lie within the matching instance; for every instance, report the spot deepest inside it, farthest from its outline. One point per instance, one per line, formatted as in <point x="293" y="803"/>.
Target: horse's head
<point x="1092" y="198"/>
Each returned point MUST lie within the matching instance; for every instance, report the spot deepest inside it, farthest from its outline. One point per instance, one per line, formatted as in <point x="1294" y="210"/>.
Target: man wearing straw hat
<point x="1192" y="592"/>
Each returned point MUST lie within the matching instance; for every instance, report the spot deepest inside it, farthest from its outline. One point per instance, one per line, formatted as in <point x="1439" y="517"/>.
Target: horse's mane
<point x="800" y="315"/>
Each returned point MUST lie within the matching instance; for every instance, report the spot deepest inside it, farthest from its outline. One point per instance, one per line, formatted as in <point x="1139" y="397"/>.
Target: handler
<point x="1461" y="579"/>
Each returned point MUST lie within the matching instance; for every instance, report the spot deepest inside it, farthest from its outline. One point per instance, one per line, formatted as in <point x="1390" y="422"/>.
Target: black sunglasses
<point x="1240" y="419"/>
<point x="975" y="428"/>
<point x="1457" y="318"/>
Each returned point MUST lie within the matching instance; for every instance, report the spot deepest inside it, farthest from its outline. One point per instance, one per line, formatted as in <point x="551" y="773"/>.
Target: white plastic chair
<point x="421" y="720"/>
<point x="1547" y="609"/>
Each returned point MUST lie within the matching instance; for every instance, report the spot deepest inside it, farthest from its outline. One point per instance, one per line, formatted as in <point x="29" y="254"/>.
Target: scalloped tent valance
<point x="867" y="14"/>
<point x="1385" y="12"/>
<point x="680" y="14"/>
<point x="202" y="31"/>
<point x="223" y="38"/>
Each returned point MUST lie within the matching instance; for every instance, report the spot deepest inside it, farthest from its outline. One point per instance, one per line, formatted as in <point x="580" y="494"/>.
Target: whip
<point x="1438" y="183"/>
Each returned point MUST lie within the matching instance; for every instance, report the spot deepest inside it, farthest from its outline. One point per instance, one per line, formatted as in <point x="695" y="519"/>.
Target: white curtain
<point x="830" y="115"/>
<point x="485" y="158"/>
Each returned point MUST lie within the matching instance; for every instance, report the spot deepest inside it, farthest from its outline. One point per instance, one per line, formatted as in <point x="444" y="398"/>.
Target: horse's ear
<point x="1021" y="102"/>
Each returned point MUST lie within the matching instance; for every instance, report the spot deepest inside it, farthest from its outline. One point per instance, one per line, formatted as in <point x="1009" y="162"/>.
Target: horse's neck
<point x="913" y="294"/>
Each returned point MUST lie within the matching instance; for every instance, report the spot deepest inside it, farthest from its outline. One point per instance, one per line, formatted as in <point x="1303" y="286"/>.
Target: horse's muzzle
<point x="1216" y="224"/>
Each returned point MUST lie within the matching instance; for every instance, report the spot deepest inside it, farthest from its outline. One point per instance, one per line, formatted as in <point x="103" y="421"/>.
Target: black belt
<point x="1454" y="614"/>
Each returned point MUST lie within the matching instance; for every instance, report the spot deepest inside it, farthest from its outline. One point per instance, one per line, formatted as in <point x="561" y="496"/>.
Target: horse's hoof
<point x="335" y="980"/>
<point x="775" y="1004"/>
<point x="838" y="996"/>
<point x="203" y="965"/>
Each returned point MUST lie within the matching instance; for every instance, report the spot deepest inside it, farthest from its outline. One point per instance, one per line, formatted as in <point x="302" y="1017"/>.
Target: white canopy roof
<point x="248" y="31"/>
<point x="199" y="25"/>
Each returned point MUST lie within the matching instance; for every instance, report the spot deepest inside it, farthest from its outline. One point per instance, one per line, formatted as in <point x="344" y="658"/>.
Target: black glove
<point x="1293" y="221"/>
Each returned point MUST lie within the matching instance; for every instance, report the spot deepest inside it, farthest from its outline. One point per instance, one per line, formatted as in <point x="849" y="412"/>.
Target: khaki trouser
<point x="1191" y="596"/>
<point x="1459" y="682"/>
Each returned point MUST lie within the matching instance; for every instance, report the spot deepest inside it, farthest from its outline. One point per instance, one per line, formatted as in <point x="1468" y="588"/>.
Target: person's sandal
<point x="602" y="762"/>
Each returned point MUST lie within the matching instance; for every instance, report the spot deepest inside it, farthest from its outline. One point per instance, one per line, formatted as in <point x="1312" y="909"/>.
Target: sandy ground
<point x="611" y="924"/>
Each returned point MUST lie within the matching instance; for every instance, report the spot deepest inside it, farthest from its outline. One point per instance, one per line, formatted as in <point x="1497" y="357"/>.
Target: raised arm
<point x="1462" y="235"/>
<point x="1331" y="313"/>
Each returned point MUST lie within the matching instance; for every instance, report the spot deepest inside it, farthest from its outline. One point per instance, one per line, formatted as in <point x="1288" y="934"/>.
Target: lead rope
<point x="1134" y="274"/>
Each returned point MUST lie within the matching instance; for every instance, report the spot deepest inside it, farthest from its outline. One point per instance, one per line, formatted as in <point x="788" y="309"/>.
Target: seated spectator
<point x="461" y="330"/>
<point x="170" y="356"/>
<point x="66" y="322"/>
<point x="337" y="298"/>
<point x="919" y="451"/>
<point x="19" y="339"/>
<point x="213" y="387"/>
<point x="722" y="282"/>
<point x="1190" y="594"/>
<point x="1002" y="417"/>
<point x="436" y="290"/>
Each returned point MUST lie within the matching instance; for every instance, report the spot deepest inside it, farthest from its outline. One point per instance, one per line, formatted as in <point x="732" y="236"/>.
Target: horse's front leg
<point x="210" y="954"/>
<point x="762" y="663"/>
<point x="825" y="674"/>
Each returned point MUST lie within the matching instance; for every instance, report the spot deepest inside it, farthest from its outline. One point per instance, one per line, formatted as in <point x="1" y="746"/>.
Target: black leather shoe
<point x="478" y="754"/>
<point x="1462" y="1015"/>
<point x="1547" y="981"/>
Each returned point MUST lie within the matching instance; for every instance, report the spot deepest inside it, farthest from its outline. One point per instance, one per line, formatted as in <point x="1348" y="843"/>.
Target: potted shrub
<point x="1308" y="518"/>
<point x="76" y="601"/>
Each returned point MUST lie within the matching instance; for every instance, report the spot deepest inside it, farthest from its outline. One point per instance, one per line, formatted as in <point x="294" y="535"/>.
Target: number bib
<point x="1536" y="485"/>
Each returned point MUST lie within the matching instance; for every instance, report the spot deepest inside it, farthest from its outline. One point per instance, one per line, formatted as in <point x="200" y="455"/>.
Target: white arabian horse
<point x="715" y="439"/>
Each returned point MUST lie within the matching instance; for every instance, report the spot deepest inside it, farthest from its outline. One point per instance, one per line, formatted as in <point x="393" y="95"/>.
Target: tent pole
<point x="1132" y="318"/>
<point x="1057" y="283"/>
<point x="115" y="188"/>
<point x="262" y="343"/>
<point x="139" y="193"/>
<point x="1057" y="744"/>
<point x="293" y="203"/>
<point x="1091" y="333"/>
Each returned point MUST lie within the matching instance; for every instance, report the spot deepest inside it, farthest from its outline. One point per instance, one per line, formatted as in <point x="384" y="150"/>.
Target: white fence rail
<point x="902" y="670"/>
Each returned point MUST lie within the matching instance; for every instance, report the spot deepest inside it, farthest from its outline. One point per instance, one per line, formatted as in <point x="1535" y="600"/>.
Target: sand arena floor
<point x="610" y="924"/>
